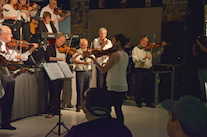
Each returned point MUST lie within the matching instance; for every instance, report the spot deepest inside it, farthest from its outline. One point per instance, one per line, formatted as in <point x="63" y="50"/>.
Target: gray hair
<point x="3" y="29"/>
<point x="102" y="29"/>
<point x="52" y="0"/>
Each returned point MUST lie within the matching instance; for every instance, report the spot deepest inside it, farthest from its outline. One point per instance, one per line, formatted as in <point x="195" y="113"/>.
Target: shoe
<point x="139" y="106"/>
<point x="78" y="110"/>
<point x="70" y="106"/>
<point x="58" y="114"/>
<point x="151" y="106"/>
<point x="49" y="116"/>
<point x="9" y="127"/>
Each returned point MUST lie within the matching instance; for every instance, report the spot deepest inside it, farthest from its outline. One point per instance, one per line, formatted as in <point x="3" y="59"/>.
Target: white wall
<point x="64" y="26"/>
<point x="132" y="22"/>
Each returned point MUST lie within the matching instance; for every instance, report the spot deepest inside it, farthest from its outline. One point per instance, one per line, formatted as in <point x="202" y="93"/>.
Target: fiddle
<point x="64" y="49"/>
<point x="58" y="11"/>
<point x="11" y="65"/>
<point x="155" y="45"/>
<point x="14" y="42"/>
<point x="99" y="53"/>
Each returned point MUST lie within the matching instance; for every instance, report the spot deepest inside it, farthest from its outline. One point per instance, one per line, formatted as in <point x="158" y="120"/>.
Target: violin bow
<point x="153" y="42"/>
<point x="21" y="41"/>
<point x="68" y="47"/>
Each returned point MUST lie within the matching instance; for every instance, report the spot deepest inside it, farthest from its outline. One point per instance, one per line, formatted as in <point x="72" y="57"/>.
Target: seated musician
<point x="46" y="25"/>
<point x="2" y="2"/>
<point x="13" y="18"/>
<point x="7" y="81"/>
<point x="25" y="24"/>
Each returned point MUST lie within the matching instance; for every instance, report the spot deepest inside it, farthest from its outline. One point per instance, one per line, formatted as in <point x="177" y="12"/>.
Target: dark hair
<point x="46" y="14"/>
<point x="145" y="36"/>
<point x="121" y="38"/>
<point x="186" y="130"/>
<point x="9" y="1"/>
<point x="98" y="102"/>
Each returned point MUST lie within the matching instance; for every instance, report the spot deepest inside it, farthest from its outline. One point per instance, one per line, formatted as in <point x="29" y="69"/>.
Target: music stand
<point x="64" y="73"/>
<point x="58" y="124"/>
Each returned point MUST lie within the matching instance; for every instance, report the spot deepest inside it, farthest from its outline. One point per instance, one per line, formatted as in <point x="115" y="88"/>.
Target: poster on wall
<point x="101" y="4"/>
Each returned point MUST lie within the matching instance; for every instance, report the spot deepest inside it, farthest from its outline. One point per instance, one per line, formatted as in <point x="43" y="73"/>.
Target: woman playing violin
<point x="13" y="17"/>
<point x="53" y="55"/>
<point x="116" y="68"/>
<point x="54" y="18"/>
<point x="26" y="27"/>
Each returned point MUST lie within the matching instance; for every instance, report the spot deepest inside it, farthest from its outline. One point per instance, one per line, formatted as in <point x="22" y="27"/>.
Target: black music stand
<point x="66" y="74"/>
<point x="58" y="124"/>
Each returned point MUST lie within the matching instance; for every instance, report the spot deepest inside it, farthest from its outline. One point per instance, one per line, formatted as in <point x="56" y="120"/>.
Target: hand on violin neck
<point x="68" y="14"/>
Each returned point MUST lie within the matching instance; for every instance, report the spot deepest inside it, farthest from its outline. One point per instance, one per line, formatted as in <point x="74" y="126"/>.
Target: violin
<point x="58" y="11"/>
<point x="14" y="42"/>
<point x="64" y="49"/>
<point x="99" y="53"/>
<point x="156" y="45"/>
<point x="11" y="65"/>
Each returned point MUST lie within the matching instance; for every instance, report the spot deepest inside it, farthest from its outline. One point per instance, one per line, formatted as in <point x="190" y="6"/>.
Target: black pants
<point x="82" y="84"/>
<point x="101" y="79"/>
<point x="26" y="32"/>
<point x="117" y="99"/>
<point x="144" y="86"/>
<point x="55" y="88"/>
<point x="7" y="103"/>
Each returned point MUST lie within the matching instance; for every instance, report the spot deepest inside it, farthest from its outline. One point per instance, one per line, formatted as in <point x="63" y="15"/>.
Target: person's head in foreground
<point x="97" y="108"/>
<point x="97" y="104"/>
<point x="187" y="117"/>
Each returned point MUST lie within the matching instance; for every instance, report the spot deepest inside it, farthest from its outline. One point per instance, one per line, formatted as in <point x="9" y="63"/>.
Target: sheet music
<point x="65" y="69"/>
<point x="53" y="71"/>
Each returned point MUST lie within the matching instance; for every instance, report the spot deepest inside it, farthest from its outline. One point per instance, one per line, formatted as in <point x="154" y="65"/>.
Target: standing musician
<point x="102" y="43"/>
<point x="7" y="82"/>
<point x="53" y="55"/>
<point x="55" y="18"/>
<point x="142" y="57"/>
<point x="83" y="73"/>
<point x="116" y="81"/>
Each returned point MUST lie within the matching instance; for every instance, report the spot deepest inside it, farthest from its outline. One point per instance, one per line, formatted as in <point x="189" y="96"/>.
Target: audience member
<point x="187" y="117"/>
<point x="97" y="108"/>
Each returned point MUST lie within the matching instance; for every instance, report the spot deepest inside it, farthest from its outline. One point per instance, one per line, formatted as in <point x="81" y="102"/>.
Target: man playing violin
<point x="142" y="57"/>
<point x="53" y="55"/>
<point x="7" y="82"/>
<point x="55" y="18"/>
<point x="102" y="43"/>
<point x="83" y="73"/>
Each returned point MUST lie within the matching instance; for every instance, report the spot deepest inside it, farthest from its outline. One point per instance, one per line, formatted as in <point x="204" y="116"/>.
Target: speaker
<point x="172" y="32"/>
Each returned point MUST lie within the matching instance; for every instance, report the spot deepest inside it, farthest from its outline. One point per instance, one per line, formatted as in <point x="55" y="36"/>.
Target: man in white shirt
<point x="102" y="43"/>
<point x="7" y="82"/>
<point x="54" y="18"/>
<point x="83" y="73"/>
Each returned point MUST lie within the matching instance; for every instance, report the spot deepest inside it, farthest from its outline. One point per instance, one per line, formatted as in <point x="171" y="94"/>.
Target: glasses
<point x="9" y="34"/>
